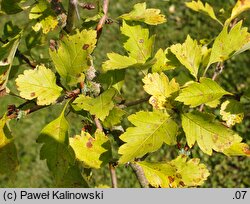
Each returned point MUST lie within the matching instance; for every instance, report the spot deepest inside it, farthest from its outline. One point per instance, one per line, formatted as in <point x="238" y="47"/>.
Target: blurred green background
<point x="225" y="171"/>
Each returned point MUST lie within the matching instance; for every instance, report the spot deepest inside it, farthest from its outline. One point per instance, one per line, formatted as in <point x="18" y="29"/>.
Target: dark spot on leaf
<point x="171" y="179"/>
<point x="89" y="144"/>
<point x="182" y="183"/>
<point x="141" y="41"/>
<point x="85" y="46"/>
<point x="32" y="94"/>
<point x="5" y="60"/>
<point x="178" y="176"/>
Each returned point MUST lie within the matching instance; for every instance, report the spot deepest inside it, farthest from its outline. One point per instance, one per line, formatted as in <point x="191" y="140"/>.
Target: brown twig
<point x="72" y="6"/>
<point x="140" y="175"/>
<point x="133" y="103"/>
<point x="103" y="19"/>
<point x="113" y="175"/>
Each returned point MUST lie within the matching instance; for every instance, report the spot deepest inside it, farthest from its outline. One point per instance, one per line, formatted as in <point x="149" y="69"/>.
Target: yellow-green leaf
<point x="72" y="56"/>
<point x="148" y="16"/>
<point x="209" y="134"/>
<point x="139" y="47"/>
<point x="39" y="83"/>
<point x="7" y="54"/>
<point x="206" y="92"/>
<point x="91" y="150"/>
<point x="229" y="43"/>
<point x="113" y="118"/>
<point x="159" y="86"/>
<point x="189" y="54"/>
<point x="232" y="112"/>
<point x="151" y="130"/>
<point x="238" y="149"/>
<point x="240" y="7"/>
<point x="177" y="173"/>
<point x="8" y="152"/>
<point x="200" y="7"/>
<point x="99" y="106"/>
<point x="162" y="62"/>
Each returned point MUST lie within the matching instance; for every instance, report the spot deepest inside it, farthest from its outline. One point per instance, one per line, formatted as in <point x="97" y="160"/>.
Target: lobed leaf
<point x="206" y="92"/>
<point x="99" y="106"/>
<point x="94" y="152"/>
<point x="204" y="8"/>
<point x="160" y="88"/>
<point x="177" y="173"/>
<point x="139" y="47"/>
<point x="39" y="83"/>
<point x="113" y="118"/>
<point x="151" y="130"/>
<point x="238" y="149"/>
<point x="72" y="56"/>
<point x="240" y="7"/>
<point x="148" y="16"/>
<point x="189" y="54"/>
<point x="232" y="112"/>
<point x="229" y="43"/>
<point x="209" y="134"/>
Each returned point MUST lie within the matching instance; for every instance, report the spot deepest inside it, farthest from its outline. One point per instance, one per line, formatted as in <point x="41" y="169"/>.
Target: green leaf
<point x="229" y="43"/>
<point x="8" y="152"/>
<point x="39" y="83"/>
<point x="56" y="149"/>
<point x="240" y="7"/>
<point x="162" y="62"/>
<point x="238" y="149"/>
<point x="47" y="21"/>
<point x="177" y="173"/>
<point x="11" y="6"/>
<point x="7" y="54"/>
<point x="206" y="92"/>
<point x="232" y="112"/>
<point x="151" y="130"/>
<point x="99" y="106"/>
<point x="199" y="7"/>
<point x="148" y="16"/>
<point x="92" y="150"/>
<point x="139" y="47"/>
<point x="160" y="88"/>
<point x="189" y="54"/>
<point x="72" y="56"/>
<point x="209" y="134"/>
<point x="113" y="118"/>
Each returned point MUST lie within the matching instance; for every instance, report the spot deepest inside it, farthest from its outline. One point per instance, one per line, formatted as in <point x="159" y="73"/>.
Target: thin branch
<point x="140" y="175"/>
<point x="113" y="175"/>
<point x="103" y="19"/>
<point x="133" y="103"/>
<point x="72" y="9"/>
<point x="98" y="124"/>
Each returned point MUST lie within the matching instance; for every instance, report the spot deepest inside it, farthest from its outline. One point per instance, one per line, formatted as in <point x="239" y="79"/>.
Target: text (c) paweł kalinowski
<point x="64" y="195"/>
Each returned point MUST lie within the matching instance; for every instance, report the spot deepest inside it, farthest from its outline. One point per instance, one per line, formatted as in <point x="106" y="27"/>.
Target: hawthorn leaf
<point x="151" y="130"/>
<point x="238" y="149"/>
<point x="8" y="153"/>
<point x="159" y="86"/>
<point x="189" y="54"/>
<point x="229" y="43"/>
<point x="56" y="149"/>
<point x="206" y="92"/>
<point x="113" y="118"/>
<point x="99" y="106"/>
<point x="11" y="6"/>
<point x="7" y="54"/>
<point x="93" y="151"/>
<point x="47" y="21"/>
<point x="240" y="7"/>
<point x="200" y="7"/>
<point x="162" y="62"/>
<point x="148" y="16"/>
<point x="232" y="112"/>
<point x="72" y="56"/>
<point x="139" y="47"/>
<point x="39" y="83"/>
<point x="177" y="173"/>
<point x="209" y="134"/>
